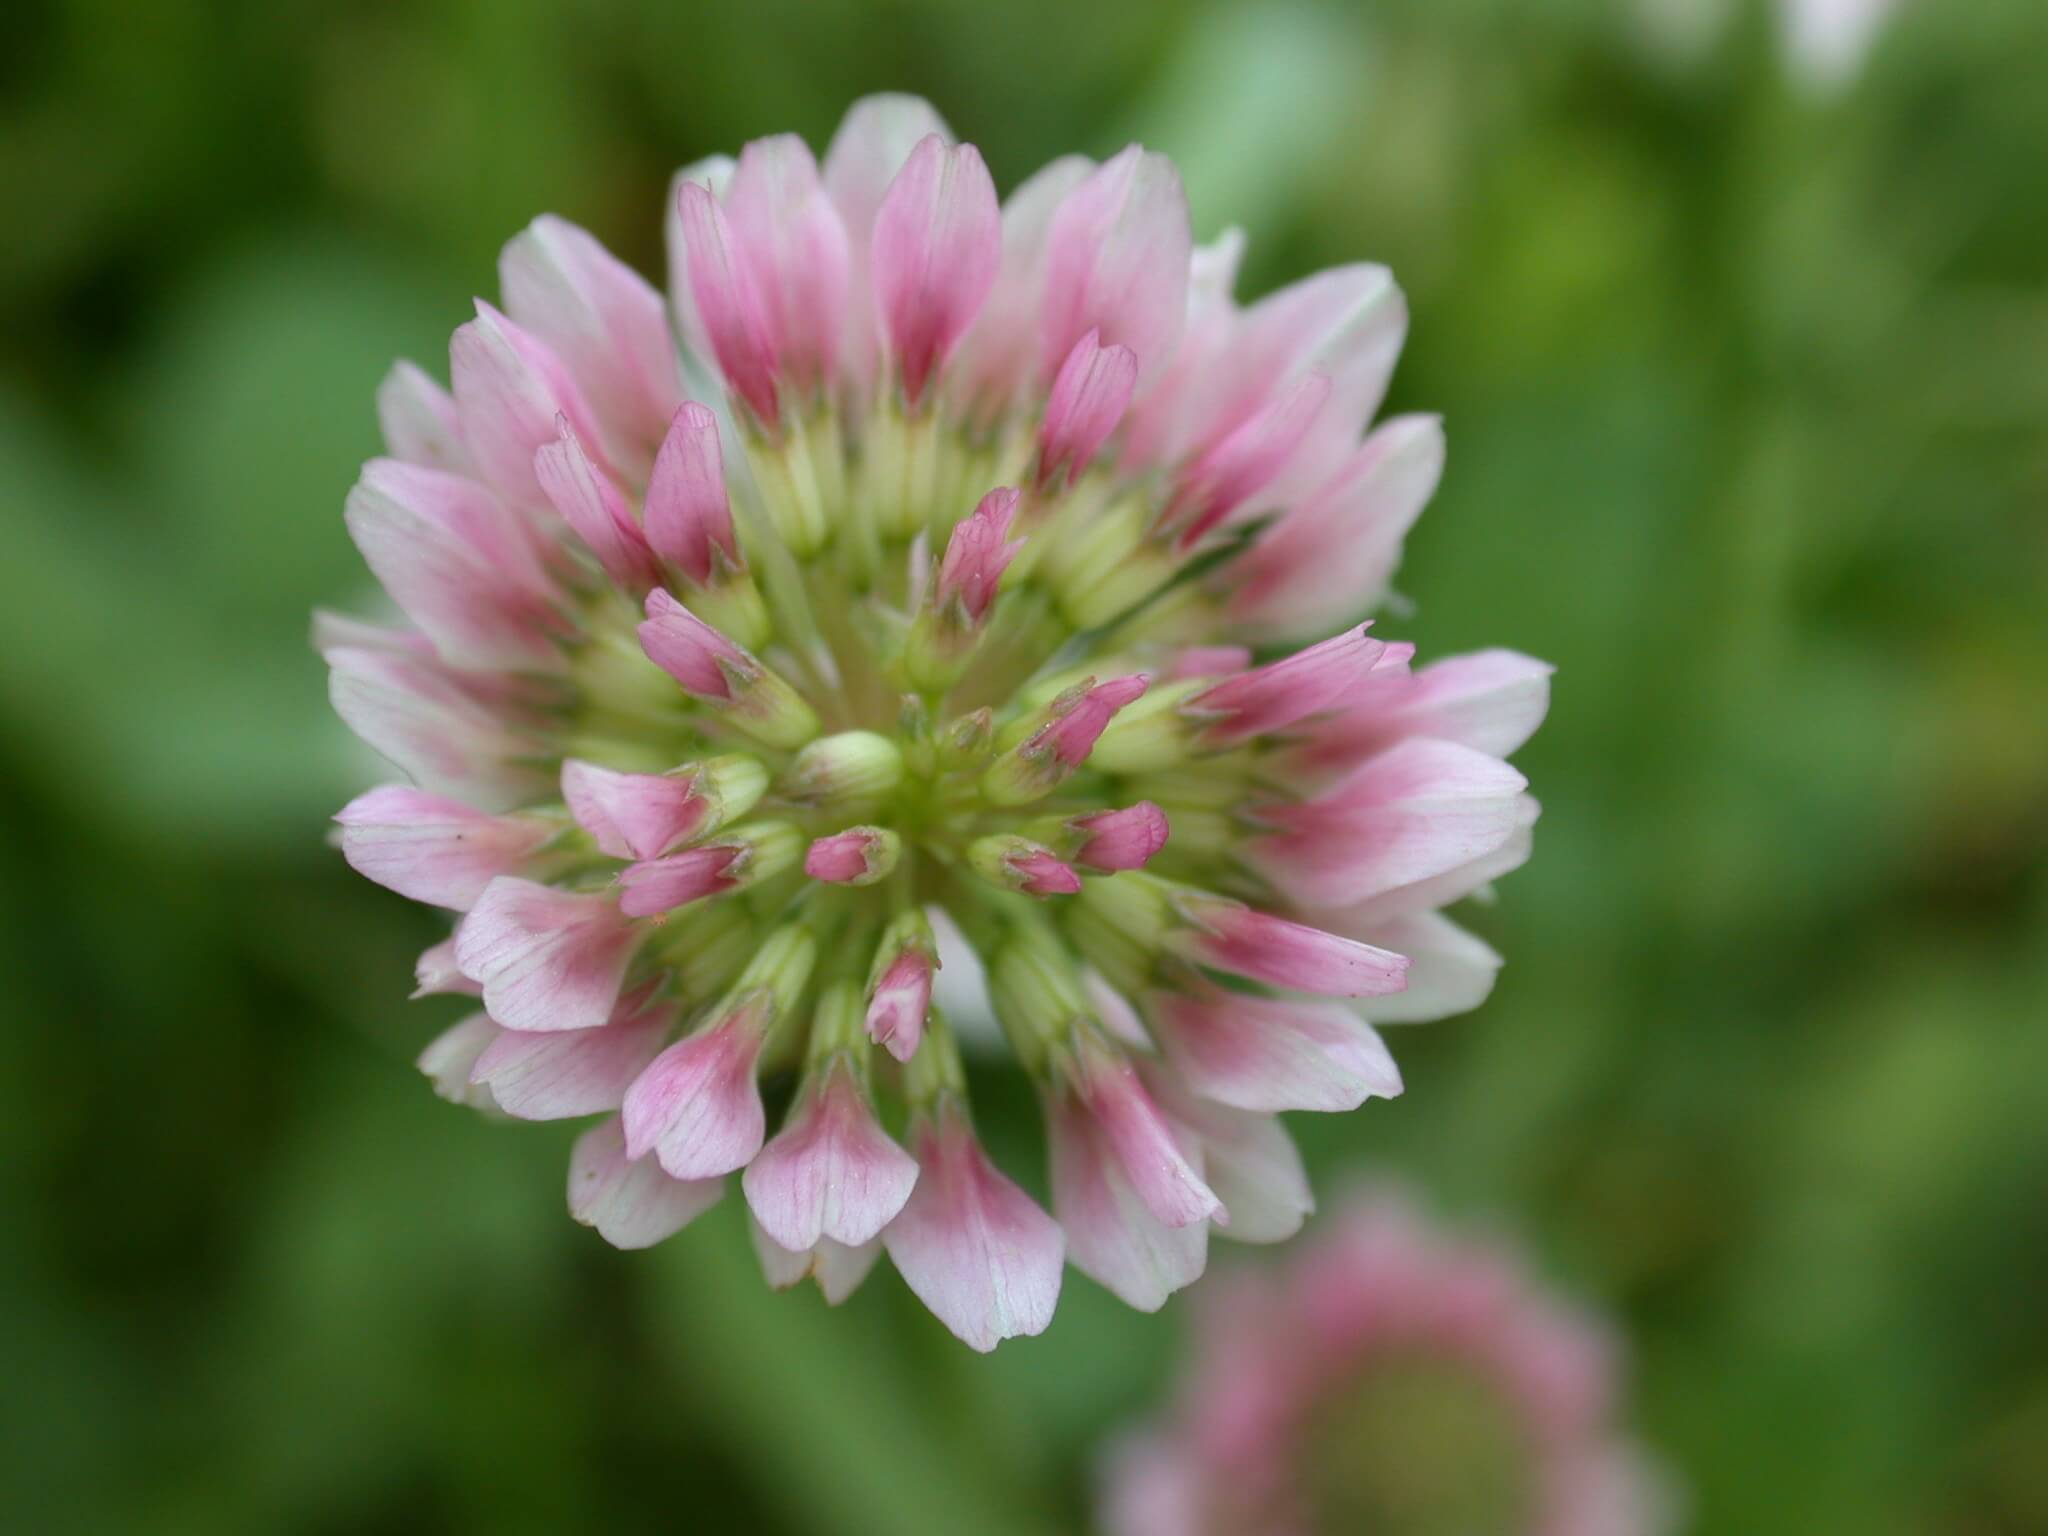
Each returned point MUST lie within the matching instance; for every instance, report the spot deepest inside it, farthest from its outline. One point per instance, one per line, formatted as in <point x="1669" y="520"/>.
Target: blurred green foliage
<point x="1746" y="392"/>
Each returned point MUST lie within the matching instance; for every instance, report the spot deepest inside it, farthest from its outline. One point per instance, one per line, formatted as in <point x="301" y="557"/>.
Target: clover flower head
<point x="924" y="577"/>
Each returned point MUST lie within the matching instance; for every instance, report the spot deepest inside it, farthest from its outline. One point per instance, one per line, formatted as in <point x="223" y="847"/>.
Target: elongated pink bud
<point x="1052" y="752"/>
<point x="688" y="649"/>
<point x="1089" y="397"/>
<point x="937" y="240"/>
<point x="900" y="985"/>
<point x="662" y="885"/>
<point x="688" y="514"/>
<point x="1125" y="839"/>
<point x="976" y="556"/>
<point x="857" y="856"/>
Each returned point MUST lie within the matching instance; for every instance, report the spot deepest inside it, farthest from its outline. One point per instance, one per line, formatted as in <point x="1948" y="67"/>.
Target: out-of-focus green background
<point x="1745" y="369"/>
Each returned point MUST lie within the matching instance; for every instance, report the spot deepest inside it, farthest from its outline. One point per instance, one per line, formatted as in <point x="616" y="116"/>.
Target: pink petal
<point x="431" y="848"/>
<point x="697" y="1106"/>
<point x="1246" y="1154"/>
<point x="1116" y="262"/>
<point x="714" y="175"/>
<point x="688" y="649"/>
<point x="463" y="568"/>
<point x="449" y="1058"/>
<point x="936" y="245"/>
<point x="1135" y="1130"/>
<point x="1038" y="873"/>
<point x="1218" y="487"/>
<point x="1124" y="839"/>
<point x="1415" y="811"/>
<point x="1070" y="737"/>
<point x="726" y="302"/>
<point x="1453" y="884"/>
<point x="794" y="246"/>
<point x="1450" y="971"/>
<point x="1277" y="695"/>
<point x="509" y="389"/>
<point x="1331" y="556"/>
<point x="837" y="1268"/>
<point x="1111" y="1236"/>
<point x="1209" y="661"/>
<point x="661" y="885"/>
<point x="547" y="959"/>
<point x="603" y="320"/>
<point x="688" y="513"/>
<point x="1177" y="411"/>
<point x="970" y="1244"/>
<point x="998" y="356"/>
<point x="901" y="1001"/>
<point x="593" y="505"/>
<point x="431" y="723"/>
<point x="632" y="815"/>
<point x="417" y="419"/>
<point x="1260" y="1053"/>
<point x="832" y="1171"/>
<point x="977" y="555"/>
<point x="566" y="1073"/>
<point x="842" y="858"/>
<point x="1089" y="397"/>
<point x="873" y="140"/>
<point x="1260" y="947"/>
<point x="632" y="1204"/>
<point x="435" y="973"/>
<point x="1490" y="701"/>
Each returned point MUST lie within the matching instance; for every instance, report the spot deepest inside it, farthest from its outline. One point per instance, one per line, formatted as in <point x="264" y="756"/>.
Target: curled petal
<point x="661" y="885"/>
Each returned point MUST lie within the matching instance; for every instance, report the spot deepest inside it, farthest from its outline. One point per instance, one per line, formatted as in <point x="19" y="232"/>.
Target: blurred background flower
<point x="1743" y="389"/>
<point x="1395" y="1378"/>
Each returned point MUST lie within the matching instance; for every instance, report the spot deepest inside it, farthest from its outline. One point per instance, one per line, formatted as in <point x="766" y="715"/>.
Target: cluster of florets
<point x="1394" y="1378"/>
<point x="916" y="585"/>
